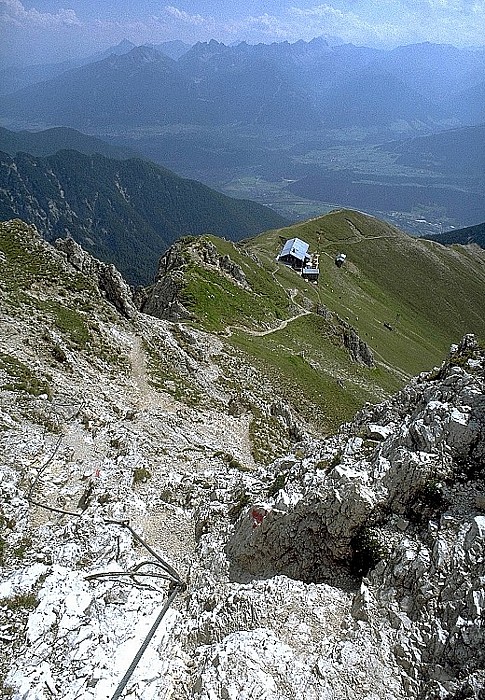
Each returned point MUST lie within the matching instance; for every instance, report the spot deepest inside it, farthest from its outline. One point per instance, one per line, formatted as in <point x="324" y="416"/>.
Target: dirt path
<point x="260" y="334"/>
<point x="393" y="370"/>
<point x="139" y="369"/>
<point x="146" y="395"/>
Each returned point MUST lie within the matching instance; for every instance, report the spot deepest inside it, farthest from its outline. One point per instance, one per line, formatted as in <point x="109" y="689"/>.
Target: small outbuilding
<point x="340" y="259"/>
<point x="295" y="253"/>
<point x="310" y="273"/>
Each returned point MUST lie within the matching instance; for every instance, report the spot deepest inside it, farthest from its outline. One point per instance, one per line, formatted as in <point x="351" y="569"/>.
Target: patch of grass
<point x="259" y="275"/>
<point x="22" y="547"/>
<point x="29" y="263"/>
<point x="387" y="279"/>
<point x="269" y="438"/>
<point x="217" y="302"/>
<point x="68" y="321"/>
<point x="277" y="485"/>
<point x="231" y="461"/>
<point x="21" y="378"/>
<point x="21" y="602"/>
<point x="141" y="475"/>
<point x="71" y="323"/>
<point x="328" y="464"/>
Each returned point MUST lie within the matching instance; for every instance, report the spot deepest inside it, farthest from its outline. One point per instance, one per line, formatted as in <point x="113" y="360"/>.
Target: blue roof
<point x="295" y="247"/>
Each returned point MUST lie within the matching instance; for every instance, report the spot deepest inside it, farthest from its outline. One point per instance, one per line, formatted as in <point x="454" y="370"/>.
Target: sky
<point x="33" y="31"/>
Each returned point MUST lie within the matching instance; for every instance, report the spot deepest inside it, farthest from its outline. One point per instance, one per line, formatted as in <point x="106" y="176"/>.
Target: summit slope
<point x="350" y="567"/>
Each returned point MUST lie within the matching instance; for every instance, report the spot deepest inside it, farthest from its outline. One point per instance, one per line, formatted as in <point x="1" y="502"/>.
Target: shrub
<point x="21" y="601"/>
<point x="236" y="509"/>
<point x="140" y="475"/>
<point x="368" y="550"/>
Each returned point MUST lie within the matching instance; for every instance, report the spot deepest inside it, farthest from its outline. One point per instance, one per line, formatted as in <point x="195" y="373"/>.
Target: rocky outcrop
<point x="403" y="504"/>
<point x="165" y="298"/>
<point x="358" y="349"/>
<point x="106" y="276"/>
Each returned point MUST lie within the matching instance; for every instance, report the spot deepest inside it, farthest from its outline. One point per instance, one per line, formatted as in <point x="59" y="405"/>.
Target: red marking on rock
<point x="258" y="516"/>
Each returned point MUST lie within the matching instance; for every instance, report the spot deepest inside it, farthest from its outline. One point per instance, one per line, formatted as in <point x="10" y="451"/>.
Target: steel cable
<point x="176" y="584"/>
<point x="122" y="684"/>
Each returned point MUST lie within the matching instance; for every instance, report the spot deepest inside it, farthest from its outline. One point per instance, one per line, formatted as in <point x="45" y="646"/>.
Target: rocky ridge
<point x="164" y="299"/>
<point x="352" y="567"/>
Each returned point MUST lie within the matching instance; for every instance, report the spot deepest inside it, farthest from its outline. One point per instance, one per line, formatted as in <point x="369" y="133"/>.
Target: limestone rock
<point x="163" y="298"/>
<point x="358" y="348"/>
<point x="106" y="276"/>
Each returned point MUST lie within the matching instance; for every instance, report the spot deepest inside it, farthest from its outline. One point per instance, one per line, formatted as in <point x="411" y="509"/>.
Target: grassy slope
<point x="34" y="282"/>
<point x="430" y="296"/>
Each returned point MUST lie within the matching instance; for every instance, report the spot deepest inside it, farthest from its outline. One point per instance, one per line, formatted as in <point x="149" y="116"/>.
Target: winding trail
<point x="146" y="396"/>
<point x="260" y="334"/>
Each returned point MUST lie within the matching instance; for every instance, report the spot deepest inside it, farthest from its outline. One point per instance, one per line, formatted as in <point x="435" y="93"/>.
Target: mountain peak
<point x="145" y="54"/>
<point x="124" y="45"/>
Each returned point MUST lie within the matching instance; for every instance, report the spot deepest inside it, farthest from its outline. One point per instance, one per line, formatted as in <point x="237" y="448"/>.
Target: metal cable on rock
<point x="170" y="574"/>
<point x="122" y="685"/>
<point x="166" y="565"/>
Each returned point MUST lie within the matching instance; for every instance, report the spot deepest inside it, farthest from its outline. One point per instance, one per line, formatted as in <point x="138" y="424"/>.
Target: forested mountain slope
<point x="126" y="212"/>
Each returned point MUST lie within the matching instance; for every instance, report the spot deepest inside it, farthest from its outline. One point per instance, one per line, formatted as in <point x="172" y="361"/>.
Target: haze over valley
<point x="301" y="127"/>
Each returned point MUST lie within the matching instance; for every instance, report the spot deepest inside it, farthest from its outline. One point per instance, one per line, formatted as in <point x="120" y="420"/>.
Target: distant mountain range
<point x="14" y="78"/>
<point x="301" y="127"/>
<point x="48" y="142"/>
<point x="463" y="236"/>
<point x="305" y="85"/>
<point x="123" y="211"/>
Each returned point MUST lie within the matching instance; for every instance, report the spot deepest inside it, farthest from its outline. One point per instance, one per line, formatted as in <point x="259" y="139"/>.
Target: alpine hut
<point x="295" y="253"/>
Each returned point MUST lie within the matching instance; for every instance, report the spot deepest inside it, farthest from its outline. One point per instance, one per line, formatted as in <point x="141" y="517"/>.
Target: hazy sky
<point x="34" y="30"/>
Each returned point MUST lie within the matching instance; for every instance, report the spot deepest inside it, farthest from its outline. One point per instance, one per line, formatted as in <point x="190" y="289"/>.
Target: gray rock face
<point x="358" y="348"/>
<point x="164" y="299"/>
<point x="107" y="277"/>
<point x="227" y="265"/>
